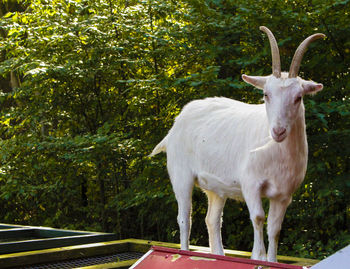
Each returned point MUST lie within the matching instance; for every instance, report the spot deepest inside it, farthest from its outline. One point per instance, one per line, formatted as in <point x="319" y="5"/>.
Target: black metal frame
<point x="16" y="238"/>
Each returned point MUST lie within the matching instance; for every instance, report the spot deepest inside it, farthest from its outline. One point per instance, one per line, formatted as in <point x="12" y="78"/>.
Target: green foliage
<point x="101" y="83"/>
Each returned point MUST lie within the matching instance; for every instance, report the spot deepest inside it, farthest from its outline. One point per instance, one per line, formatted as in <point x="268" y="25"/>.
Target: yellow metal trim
<point x="63" y="253"/>
<point x="62" y="249"/>
<point x="122" y="264"/>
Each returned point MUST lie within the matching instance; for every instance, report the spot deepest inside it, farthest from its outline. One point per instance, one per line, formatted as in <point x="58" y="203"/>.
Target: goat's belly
<point x="210" y="182"/>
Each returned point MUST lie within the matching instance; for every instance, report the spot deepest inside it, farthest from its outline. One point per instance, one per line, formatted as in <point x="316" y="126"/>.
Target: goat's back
<point x="216" y="135"/>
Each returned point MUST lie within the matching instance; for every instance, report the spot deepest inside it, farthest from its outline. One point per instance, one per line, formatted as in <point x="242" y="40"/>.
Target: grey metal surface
<point x="339" y="260"/>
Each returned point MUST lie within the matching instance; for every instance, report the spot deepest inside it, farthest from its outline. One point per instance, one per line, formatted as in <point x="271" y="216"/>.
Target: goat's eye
<point x="266" y="96"/>
<point x="297" y="100"/>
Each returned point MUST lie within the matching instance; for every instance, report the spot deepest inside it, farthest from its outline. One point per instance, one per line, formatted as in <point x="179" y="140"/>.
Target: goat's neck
<point x="296" y="142"/>
<point x="296" y="151"/>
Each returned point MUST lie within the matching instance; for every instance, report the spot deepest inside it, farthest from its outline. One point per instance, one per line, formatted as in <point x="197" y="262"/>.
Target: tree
<point x="99" y="83"/>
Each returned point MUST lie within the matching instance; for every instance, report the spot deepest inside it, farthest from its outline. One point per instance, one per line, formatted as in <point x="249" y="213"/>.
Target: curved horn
<point x="276" y="63"/>
<point x="299" y="53"/>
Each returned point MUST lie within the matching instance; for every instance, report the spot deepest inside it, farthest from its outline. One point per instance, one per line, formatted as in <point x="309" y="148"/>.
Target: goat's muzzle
<point x="279" y="134"/>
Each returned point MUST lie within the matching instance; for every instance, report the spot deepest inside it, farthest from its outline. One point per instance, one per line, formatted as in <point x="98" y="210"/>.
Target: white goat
<point x="235" y="150"/>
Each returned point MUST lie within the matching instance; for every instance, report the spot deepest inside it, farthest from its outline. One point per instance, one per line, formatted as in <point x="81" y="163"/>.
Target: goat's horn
<point x="276" y="63"/>
<point x="299" y="53"/>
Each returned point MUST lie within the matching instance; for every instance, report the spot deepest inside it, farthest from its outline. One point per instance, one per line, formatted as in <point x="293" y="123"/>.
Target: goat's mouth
<point x="279" y="138"/>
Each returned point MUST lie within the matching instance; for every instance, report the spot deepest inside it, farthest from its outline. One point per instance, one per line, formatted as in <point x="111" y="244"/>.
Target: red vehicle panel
<point x="160" y="257"/>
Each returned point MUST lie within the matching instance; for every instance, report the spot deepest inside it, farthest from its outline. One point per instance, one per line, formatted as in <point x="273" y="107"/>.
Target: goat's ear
<point x="256" y="81"/>
<point x="310" y="87"/>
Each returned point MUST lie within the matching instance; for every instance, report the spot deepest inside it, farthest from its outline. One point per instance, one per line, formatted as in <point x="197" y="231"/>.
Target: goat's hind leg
<point x="182" y="181"/>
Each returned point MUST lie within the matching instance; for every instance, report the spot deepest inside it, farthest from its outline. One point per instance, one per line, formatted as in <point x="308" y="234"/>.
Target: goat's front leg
<point x="214" y="220"/>
<point x="252" y="196"/>
<point x="274" y="223"/>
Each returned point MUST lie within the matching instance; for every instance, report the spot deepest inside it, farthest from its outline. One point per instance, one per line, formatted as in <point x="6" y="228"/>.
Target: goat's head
<point x="283" y="92"/>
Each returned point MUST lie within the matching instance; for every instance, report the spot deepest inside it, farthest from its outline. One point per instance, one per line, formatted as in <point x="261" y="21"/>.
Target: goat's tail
<point x="160" y="147"/>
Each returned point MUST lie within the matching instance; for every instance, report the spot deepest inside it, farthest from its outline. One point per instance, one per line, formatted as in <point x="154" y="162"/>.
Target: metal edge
<point x="53" y="242"/>
<point x="14" y="226"/>
<point x="142" y="258"/>
<point x="13" y="233"/>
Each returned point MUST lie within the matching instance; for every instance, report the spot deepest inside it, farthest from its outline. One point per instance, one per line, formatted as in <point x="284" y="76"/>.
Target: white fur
<point x="231" y="150"/>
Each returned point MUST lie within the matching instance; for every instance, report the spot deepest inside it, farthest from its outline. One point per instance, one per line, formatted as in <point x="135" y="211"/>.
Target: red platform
<point x="160" y="257"/>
